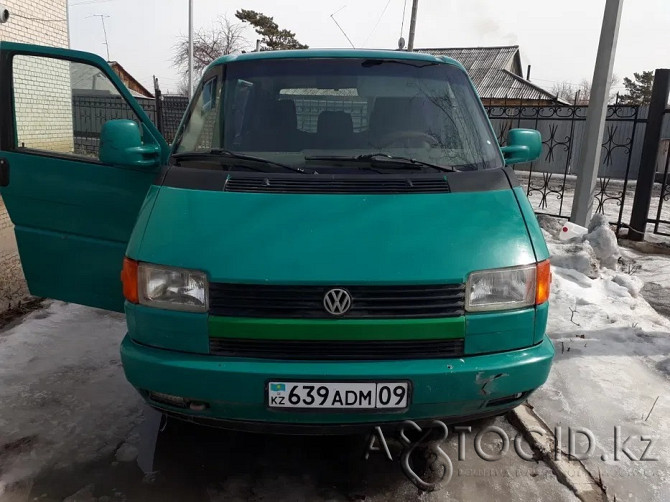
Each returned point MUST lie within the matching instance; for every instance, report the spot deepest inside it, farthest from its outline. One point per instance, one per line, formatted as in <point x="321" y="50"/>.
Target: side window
<point x="240" y="118"/>
<point x="60" y="106"/>
<point x="202" y="127"/>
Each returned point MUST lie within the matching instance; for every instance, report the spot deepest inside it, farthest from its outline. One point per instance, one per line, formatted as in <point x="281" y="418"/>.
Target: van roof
<point x="336" y="53"/>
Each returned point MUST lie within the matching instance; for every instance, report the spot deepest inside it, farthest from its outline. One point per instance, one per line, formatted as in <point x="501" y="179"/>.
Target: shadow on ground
<point x="194" y="463"/>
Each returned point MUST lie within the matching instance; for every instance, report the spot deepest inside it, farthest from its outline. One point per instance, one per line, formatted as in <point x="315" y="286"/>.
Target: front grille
<point x="377" y="302"/>
<point x="337" y="350"/>
<point x="337" y="184"/>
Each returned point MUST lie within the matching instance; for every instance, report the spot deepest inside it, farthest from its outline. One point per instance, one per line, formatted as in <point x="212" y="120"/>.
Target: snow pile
<point x="588" y="254"/>
<point x="591" y="263"/>
<point x="631" y="283"/>
<point x="603" y="241"/>
<point x="574" y="256"/>
<point x="612" y="360"/>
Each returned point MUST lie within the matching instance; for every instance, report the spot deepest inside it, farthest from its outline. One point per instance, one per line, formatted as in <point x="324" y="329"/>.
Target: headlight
<point x="172" y="288"/>
<point x="501" y="289"/>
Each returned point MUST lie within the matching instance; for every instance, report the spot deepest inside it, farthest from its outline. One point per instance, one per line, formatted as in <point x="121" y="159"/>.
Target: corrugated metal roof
<point x="489" y="68"/>
<point x="478" y="58"/>
<point x="503" y="84"/>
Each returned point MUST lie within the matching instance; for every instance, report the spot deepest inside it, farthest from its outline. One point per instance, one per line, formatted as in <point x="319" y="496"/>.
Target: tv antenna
<point x="332" y="16"/>
<point x="104" y="30"/>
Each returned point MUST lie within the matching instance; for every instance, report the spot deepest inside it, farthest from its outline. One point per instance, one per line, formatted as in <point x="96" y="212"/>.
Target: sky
<point x="558" y="38"/>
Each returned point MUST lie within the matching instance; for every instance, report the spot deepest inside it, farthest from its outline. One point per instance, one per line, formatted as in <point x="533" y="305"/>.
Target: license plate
<point x="339" y="395"/>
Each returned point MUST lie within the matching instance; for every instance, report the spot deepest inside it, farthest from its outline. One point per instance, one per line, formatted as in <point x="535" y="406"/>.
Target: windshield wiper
<point x="220" y="152"/>
<point x="391" y="160"/>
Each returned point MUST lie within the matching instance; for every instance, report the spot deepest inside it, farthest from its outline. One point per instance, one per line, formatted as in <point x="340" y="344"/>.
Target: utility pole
<point x="412" y="26"/>
<point x="589" y="157"/>
<point x="190" y="49"/>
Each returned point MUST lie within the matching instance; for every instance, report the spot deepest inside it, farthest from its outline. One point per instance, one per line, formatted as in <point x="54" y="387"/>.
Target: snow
<point x="612" y="358"/>
<point x="63" y="389"/>
<point x="631" y="283"/>
<point x="126" y="453"/>
<point x="603" y="242"/>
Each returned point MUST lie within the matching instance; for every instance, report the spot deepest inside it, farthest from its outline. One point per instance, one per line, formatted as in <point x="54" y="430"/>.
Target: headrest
<point x="282" y="114"/>
<point x="330" y="122"/>
<point x="391" y="114"/>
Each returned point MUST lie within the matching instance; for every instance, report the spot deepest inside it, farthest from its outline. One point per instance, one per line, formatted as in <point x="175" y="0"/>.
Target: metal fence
<point x="551" y="179"/>
<point x="89" y="113"/>
<point x="171" y="110"/>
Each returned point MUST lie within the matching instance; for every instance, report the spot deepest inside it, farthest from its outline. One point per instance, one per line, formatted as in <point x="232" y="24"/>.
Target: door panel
<point x="73" y="215"/>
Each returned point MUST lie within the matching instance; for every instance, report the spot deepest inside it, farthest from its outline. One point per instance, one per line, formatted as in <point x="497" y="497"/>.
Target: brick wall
<point x="41" y="22"/>
<point x="43" y="103"/>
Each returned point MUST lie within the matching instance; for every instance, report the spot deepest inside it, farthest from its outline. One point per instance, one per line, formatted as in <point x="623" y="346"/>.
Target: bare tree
<point x="563" y="90"/>
<point x="225" y="37"/>
<point x="580" y="94"/>
<point x="182" y="86"/>
<point x="585" y="90"/>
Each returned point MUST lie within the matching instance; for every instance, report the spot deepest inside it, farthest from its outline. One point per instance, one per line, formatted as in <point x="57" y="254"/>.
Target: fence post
<point x="647" y="172"/>
<point x="158" y="96"/>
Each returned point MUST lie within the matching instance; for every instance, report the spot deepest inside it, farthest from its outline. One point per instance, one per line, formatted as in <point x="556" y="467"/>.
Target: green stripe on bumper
<point x="340" y="329"/>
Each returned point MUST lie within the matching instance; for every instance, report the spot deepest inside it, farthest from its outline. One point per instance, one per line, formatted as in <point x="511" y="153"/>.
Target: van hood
<point x="283" y="238"/>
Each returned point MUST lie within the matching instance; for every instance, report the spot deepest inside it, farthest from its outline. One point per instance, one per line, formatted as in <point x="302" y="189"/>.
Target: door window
<point x="203" y="124"/>
<point x="60" y="106"/>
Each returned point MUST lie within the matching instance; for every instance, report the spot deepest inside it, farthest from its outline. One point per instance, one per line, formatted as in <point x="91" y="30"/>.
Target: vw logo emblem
<point x="337" y="301"/>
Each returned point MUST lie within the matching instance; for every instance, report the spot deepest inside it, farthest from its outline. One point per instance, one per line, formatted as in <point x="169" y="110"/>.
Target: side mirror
<point x="121" y="145"/>
<point x="523" y="145"/>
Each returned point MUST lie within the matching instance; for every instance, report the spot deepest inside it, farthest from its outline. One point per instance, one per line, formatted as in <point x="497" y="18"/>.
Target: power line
<point x="377" y="23"/>
<point x="89" y="2"/>
<point x="402" y="24"/>
<point x="39" y="19"/>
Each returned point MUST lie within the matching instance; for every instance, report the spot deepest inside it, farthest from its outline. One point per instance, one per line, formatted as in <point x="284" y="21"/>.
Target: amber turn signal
<point x="543" y="282"/>
<point x="129" y="280"/>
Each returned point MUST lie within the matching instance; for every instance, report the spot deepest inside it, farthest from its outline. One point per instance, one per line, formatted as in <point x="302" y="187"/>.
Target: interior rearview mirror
<point x="121" y="145"/>
<point x="523" y="145"/>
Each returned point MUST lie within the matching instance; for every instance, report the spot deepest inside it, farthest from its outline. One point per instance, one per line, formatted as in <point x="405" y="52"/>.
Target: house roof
<point x="495" y="71"/>
<point x="137" y="89"/>
<point x="89" y="79"/>
<point x="483" y="58"/>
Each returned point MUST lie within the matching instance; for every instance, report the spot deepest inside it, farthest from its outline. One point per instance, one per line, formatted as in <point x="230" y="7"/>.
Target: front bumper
<point x="234" y="388"/>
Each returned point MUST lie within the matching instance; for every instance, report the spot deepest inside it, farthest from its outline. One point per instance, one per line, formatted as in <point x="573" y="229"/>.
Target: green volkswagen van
<point x="334" y="240"/>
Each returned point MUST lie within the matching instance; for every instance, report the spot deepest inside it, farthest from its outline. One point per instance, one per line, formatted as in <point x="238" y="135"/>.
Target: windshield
<point x="300" y="111"/>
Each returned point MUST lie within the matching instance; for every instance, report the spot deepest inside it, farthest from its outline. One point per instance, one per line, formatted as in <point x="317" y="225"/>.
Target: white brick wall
<point x="46" y="26"/>
<point x="38" y="22"/>
<point x="43" y="101"/>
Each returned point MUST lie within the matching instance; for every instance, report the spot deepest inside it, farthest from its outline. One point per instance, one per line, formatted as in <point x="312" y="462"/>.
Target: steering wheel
<point x="408" y="139"/>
